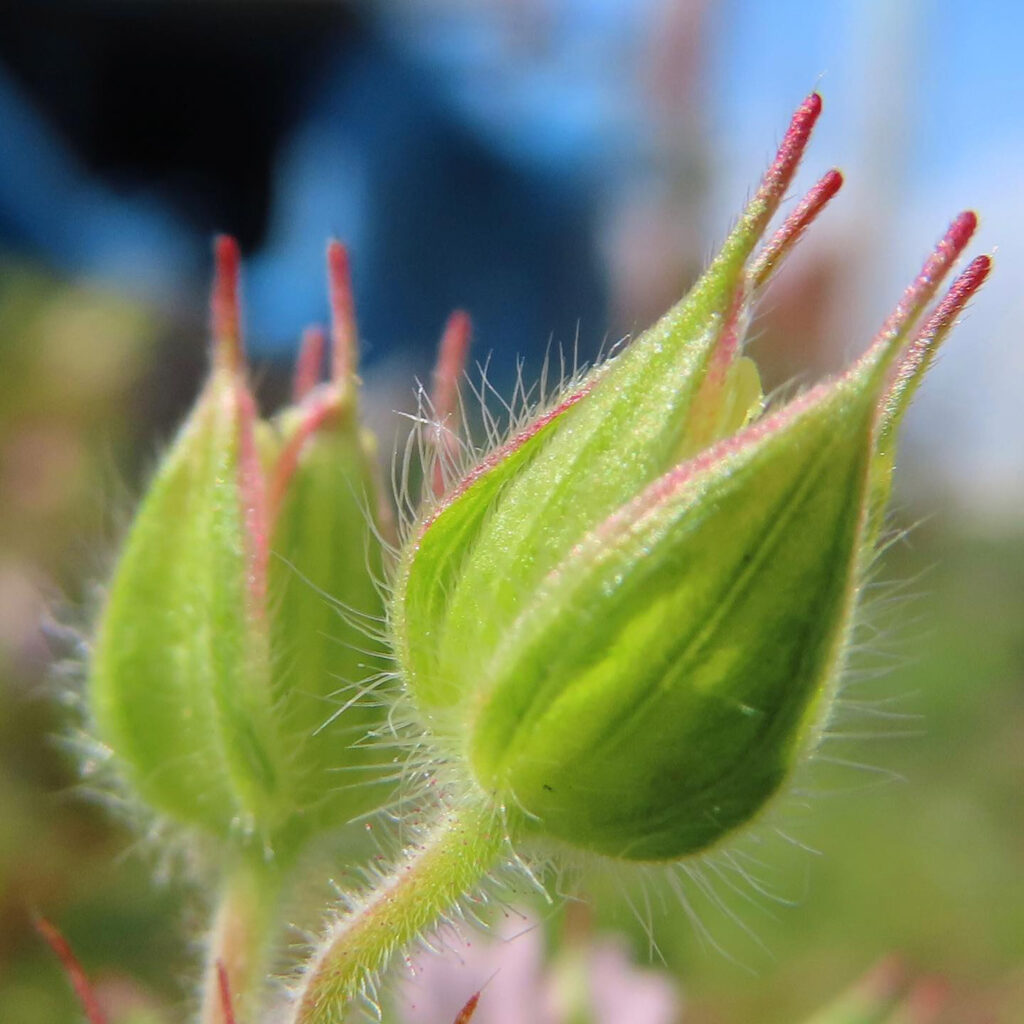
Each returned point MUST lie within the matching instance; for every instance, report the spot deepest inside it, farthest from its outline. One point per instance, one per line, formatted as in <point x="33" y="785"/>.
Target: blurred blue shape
<point x="449" y="192"/>
<point x="463" y="151"/>
<point x="550" y="86"/>
<point x="52" y="209"/>
<point x="435" y="219"/>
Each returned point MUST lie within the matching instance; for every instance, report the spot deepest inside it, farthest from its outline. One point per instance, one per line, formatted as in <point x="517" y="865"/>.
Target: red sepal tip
<point x="344" y="333"/>
<point x="465" y="1015"/>
<point x="225" y="306"/>
<point x="920" y="351"/>
<point x="776" y="179"/>
<point x="958" y="296"/>
<point x="309" y="363"/>
<point x="926" y="1001"/>
<point x="805" y="213"/>
<point x="884" y="982"/>
<point x="452" y="354"/>
<point x="778" y="176"/>
<point x="921" y="290"/>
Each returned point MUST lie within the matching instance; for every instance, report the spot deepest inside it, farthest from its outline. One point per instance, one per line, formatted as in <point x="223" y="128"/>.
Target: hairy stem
<point x="240" y="941"/>
<point x="449" y="862"/>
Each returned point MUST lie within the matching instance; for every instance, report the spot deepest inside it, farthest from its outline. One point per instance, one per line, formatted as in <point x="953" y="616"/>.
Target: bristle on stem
<point x="72" y="968"/>
<point x="783" y="241"/>
<point x="344" y="332"/>
<point x="225" y="306"/>
<point x="309" y="363"/>
<point x="452" y="355"/>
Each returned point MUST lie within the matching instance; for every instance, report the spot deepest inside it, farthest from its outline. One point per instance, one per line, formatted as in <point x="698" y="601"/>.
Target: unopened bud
<point x="624" y="627"/>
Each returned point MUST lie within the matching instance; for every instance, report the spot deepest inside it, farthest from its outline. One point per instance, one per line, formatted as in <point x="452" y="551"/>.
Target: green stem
<point x="450" y="861"/>
<point x="240" y="940"/>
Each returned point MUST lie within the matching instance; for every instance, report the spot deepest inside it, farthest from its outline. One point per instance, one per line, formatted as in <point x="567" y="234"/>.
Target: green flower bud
<point x="624" y="627"/>
<point x="324" y="582"/>
<point x="230" y="629"/>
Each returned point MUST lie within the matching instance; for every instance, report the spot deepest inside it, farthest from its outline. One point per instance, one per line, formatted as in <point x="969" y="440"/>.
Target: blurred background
<point x="561" y="169"/>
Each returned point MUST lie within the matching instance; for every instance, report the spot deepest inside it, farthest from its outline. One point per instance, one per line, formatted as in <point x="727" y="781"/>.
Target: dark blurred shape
<point x="189" y="100"/>
<point x="137" y="130"/>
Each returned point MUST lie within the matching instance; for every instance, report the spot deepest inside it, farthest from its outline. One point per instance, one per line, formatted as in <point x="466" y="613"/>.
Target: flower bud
<point x="324" y="583"/>
<point x="220" y="652"/>
<point x="624" y="627"/>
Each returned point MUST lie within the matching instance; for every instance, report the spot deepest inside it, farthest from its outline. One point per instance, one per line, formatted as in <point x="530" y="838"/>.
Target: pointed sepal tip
<point x="225" y="305"/>
<point x="344" y="330"/>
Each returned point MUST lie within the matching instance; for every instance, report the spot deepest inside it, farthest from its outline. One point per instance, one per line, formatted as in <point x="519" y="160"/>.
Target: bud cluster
<point x="235" y="624"/>
<point x="624" y="628"/>
<point x="620" y="632"/>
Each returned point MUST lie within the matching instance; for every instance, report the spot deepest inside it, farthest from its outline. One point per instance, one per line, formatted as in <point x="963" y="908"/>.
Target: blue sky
<point x="924" y="111"/>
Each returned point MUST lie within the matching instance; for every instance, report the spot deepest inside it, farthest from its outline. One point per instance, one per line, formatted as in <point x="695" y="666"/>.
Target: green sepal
<point x="178" y="682"/>
<point x="433" y="562"/>
<point x="670" y="672"/>
<point x="325" y="606"/>
<point x="643" y="409"/>
<point x="678" y="387"/>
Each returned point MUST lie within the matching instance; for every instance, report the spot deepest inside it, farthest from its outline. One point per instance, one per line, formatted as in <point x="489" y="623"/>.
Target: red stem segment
<point x="72" y="968"/>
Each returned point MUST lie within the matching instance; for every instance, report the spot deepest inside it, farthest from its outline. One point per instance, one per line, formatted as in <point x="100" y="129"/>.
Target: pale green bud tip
<point x="624" y="627"/>
<point x="218" y="658"/>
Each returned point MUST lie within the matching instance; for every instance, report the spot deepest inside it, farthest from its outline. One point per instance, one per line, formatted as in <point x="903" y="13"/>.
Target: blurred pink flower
<point x="595" y="982"/>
